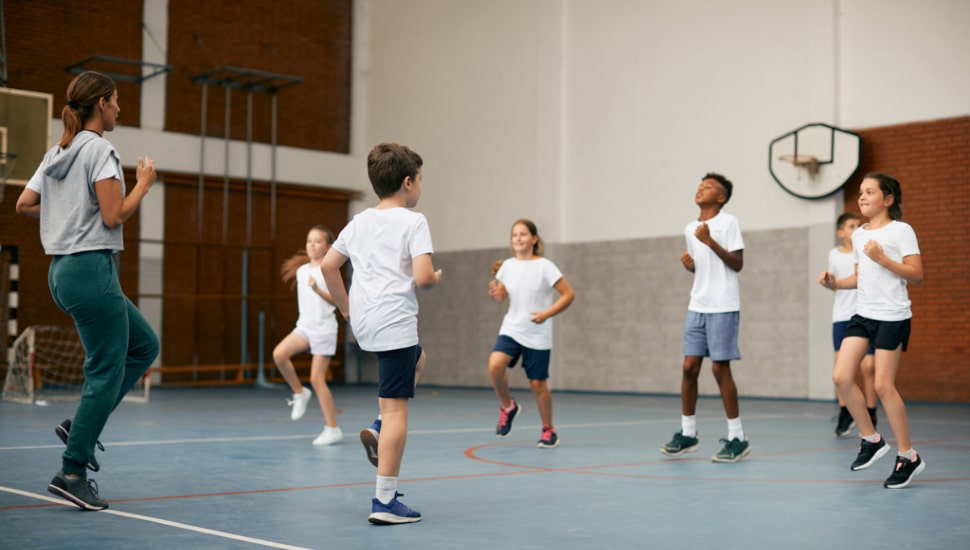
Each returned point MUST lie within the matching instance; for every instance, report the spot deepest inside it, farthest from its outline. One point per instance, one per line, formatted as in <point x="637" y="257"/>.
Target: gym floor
<point x="227" y="468"/>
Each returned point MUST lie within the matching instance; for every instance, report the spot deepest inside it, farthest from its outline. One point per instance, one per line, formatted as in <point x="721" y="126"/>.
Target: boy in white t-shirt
<point x="390" y="249"/>
<point x="715" y="254"/>
<point x="842" y="264"/>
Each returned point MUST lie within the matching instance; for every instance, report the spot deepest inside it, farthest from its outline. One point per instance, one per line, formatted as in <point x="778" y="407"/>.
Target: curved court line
<point x="176" y="524"/>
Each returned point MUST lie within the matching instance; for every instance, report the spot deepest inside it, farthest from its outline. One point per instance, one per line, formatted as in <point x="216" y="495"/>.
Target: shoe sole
<point x="542" y="445"/>
<point x="54" y="489"/>
<point x="369" y="439"/>
<point x="690" y="449"/>
<point x="883" y="451"/>
<point x="726" y="460"/>
<point x="63" y="434"/>
<point x="328" y="442"/>
<point x="918" y="469"/>
<point x="384" y="518"/>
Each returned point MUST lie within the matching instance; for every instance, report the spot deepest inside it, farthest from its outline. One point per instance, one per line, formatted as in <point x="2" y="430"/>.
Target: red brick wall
<point x="45" y="37"/>
<point x="931" y="160"/>
<point x="304" y="38"/>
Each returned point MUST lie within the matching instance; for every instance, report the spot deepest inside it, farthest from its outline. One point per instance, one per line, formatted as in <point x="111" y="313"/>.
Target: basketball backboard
<point x="815" y="160"/>
<point x="25" y="133"/>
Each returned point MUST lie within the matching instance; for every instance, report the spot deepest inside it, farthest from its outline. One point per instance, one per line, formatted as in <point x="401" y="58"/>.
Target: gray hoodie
<point x="70" y="217"/>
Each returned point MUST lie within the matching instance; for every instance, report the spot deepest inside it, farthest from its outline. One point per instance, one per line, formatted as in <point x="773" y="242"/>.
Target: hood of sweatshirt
<point x="60" y="164"/>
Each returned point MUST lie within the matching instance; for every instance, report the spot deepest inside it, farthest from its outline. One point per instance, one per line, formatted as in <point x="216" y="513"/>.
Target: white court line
<point x="160" y="521"/>
<point x="410" y="433"/>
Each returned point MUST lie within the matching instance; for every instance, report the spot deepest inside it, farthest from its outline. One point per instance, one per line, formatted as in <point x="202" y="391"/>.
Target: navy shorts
<point x="713" y="335"/>
<point x="838" y="333"/>
<point x="395" y="372"/>
<point x="535" y="362"/>
<point x="881" y="334"/>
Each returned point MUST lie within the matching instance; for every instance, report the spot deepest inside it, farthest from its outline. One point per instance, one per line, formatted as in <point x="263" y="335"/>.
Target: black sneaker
<point x="505" y="419"/>
<point x="845" y="423"/>
<point x="869" y="453"/>
<point x="904" y="472"/>
<point x="63" y="430"/>
<point x="82" y="491"/>
<point x="680" y="444"/>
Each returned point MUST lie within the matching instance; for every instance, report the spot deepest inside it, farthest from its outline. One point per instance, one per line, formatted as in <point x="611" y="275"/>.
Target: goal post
<point x="46" y="363"/>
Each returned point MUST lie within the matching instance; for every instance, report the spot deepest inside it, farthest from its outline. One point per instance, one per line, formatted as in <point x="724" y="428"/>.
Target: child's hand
<point x="827" y="280"/>
<point x="703" y="233"/>
<point x="539" y="317"/>
<point x="313" y="283"/>
<point x="496" y="265"/>
<point x="437" y="276"/>
<point x="687" y="261"/>
<point x="874" y="250"/>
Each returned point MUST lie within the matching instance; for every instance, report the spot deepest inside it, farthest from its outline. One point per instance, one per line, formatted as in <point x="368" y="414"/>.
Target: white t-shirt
<point x="529" y="284"/>
<point x="316" y="314"/>
<point x="842" y="264"/>
<point x="882" y="295"/>
<point x="715" y="287"/>
<point x="380" y="245"/>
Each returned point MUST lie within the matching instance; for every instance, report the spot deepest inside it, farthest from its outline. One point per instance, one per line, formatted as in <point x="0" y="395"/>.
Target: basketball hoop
<point x="808" y="162"/>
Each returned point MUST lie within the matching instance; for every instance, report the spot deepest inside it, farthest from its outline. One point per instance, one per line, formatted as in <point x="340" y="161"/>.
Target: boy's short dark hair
<point x="725" y="183"/>
<point x="387" y="166"/>
<point x="844" y="218"/>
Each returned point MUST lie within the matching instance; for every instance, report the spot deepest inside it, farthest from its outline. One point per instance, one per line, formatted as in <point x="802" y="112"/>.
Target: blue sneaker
<point x="368" y="437"/>
<point x="392" y="513"/>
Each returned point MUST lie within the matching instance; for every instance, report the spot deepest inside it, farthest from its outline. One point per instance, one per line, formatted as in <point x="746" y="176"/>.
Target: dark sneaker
<point x="63" y="431"/>
<point x="392" y="513"/>
<point x="869" y="453"/>
<point x="549" y="439"/>
<point x="505" y="419"/>
<point x="904" y="472"/>
<point x="733" y="451"/>
<point x="680" y="444"/>
<point x="369" y="436"/>
<point x="845" y="423"/>
<point x="82" y="491"/>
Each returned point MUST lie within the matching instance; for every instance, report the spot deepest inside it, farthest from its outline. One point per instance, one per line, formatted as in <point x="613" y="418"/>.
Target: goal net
<point x="47" y="363"/>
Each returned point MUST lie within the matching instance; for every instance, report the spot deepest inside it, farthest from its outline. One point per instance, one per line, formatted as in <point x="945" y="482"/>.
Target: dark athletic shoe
<point x="81" y="491"/>
<point x="869" y="453"/>
<point x="904" y="472"/>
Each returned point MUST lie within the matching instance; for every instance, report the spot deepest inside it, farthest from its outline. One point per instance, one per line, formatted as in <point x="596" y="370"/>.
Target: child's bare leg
<point x="688" y="385"/>
<point x="498" y="363"/>
<point x="727" y="387"/>
<point x="887" y="361"/>
<point x="291" y="345"/>
<point x="844" y="374"/>
<point x="868" y="368"/>
<point x="319" y="366"/>
<point x="540" y="389"/>
<point x="394" y="435"/>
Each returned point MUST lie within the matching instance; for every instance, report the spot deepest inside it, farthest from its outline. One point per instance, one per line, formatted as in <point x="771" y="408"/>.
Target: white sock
<point x="874" y="438"/>
<point x="734" y="429"/>
<point x="386" y="488"/>
<point x="908" y="455"/>
<point x="688" y="425"/>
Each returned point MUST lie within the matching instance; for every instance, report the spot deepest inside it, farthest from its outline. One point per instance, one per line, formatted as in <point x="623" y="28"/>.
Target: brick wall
<point x="304" y="38"/>
<point x="45" y="37"/>
<point x="931" y="160"/>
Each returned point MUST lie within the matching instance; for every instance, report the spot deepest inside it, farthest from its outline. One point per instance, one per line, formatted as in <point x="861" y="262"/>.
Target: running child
<point x="887" y="260"/>
<point x="316" y="332"/>
<point x="530" y="282"/>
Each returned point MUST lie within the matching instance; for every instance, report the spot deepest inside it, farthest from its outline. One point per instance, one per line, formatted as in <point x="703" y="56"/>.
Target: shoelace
<point x="547" y="434"/>
<point x="503" y="416"/>
<point x="93" y="487"/>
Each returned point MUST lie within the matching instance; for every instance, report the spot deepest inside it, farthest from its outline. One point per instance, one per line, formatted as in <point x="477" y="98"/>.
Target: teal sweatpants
<point x="119" y="344"/>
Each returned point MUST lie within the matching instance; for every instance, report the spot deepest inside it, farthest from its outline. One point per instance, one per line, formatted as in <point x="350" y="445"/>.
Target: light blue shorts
<point x="713" y="335"/>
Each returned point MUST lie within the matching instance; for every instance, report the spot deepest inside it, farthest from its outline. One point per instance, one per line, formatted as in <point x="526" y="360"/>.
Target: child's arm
<point x="316" y="288"/>
<point x="734" y="259"/>
<point x="566" y="297"/>
<point x="828" y="280"/>
<point x="425" y="275"/>
<point x="497" y="290"/>
<point x="330" y="267"/>
<point x="911" y="268"/>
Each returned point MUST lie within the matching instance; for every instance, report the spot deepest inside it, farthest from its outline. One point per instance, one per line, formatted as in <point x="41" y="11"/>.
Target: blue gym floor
<point x="227" y="468"/>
